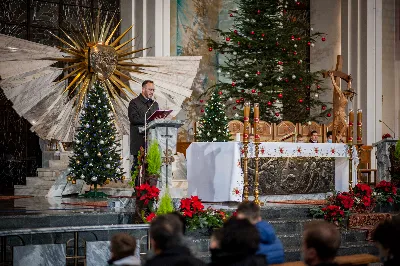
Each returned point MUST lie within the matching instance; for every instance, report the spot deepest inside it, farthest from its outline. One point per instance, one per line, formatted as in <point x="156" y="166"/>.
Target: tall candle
<point x="359" y="126"/>
<point x="256" y="121"/>
<point x="246" y="121"/>
<point x="350" y="131"/>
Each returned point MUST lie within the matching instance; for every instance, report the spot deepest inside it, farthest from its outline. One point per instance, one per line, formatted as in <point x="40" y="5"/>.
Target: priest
<point x="140" y="108"/>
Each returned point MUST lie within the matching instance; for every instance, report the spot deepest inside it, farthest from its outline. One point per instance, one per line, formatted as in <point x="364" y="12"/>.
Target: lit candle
<point x="246" y="119"/>
<point x="359" y="126"/>
<point x="256" y="121"/>
<point x="350" y="131"/>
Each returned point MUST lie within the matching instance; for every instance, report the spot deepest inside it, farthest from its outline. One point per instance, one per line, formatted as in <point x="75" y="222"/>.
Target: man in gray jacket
<point x="136" y="112"/>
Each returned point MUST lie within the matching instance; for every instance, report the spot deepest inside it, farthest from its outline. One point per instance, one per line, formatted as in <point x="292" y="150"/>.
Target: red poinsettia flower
<point x="390" y="200"/>
<point x="150" y="217"/>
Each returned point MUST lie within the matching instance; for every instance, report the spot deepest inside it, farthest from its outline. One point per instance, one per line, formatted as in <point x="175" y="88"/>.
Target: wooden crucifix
<point x="340" y="100"/>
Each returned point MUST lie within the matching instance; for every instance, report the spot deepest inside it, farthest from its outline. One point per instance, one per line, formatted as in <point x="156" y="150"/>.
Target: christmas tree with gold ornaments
<point x="96" y="158"/>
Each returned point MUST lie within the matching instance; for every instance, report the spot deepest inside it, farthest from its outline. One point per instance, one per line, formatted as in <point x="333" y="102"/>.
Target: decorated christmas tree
<point x="213" y="127"/>
<point x="264" y="58"/>
<point x="96" y="157"/>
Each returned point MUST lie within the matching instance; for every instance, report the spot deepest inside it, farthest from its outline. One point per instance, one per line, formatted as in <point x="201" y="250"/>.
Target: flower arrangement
<point x="333" y="213"/>
<point x="146" y="196"/>
<point x="364" y="202"/>
<point x="386" y="135"/>
<point x="386" y="193"/>
<point x="344" y="200"/>
<point x="191" y="206"/>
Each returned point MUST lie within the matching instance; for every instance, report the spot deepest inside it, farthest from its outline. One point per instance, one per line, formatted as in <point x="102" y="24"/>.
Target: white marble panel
<point x="98" y="252"/>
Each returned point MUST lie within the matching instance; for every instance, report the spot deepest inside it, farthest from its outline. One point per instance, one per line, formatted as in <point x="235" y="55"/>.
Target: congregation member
<point x="166" y="234"/>
<point x="321" y="242"/>
<point x="313" y="137"/>
<point x="236" y="244"/>
<point x="299" y="138"/>
<point x="123" y="248"/>
<point x="270" y="245"/>
<point x="387" y="237"/>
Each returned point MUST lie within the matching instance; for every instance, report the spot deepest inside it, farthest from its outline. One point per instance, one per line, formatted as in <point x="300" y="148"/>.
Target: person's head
<point x="122" y="245"/>
<point x="321" y="242"/>
<point x="300" y="138"/>
<point x="182" y="219"/>
<point x="329" y="136"/>
<point x="239" y="236"/>
<point x="165" y="232"/>
<point x="148" y="89"/>
<point x="386" y="237"/>
<point x="215" y="240"/>
<point x="314" y="135"/>
<point x="250" y="211"/>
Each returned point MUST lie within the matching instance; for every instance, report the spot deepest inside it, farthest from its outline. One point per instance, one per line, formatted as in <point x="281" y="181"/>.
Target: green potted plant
<point x="153" y="160"/>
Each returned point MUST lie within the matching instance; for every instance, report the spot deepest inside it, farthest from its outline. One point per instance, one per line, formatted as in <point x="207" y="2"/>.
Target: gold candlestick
<point x="350" y="167"/>
<point x="257" y="159"/>
<point x="246" y="133"/>
<point x="350" y="132"/>
<point x="359" y="126"/>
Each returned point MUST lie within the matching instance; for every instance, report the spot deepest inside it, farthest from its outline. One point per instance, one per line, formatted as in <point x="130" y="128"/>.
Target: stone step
<point x="38" y="182"/>
<point x="49" y="173"/>
<point x="348" y="237"/>
<point x="346" y="249"/>
<point x="288" y="212"/>
<point x="58" y="164"/>
<point x="24" y="190"/>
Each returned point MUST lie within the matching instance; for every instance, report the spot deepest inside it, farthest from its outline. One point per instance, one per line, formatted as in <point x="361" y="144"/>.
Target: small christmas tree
<point x="96" y="157"/>
<point x="214" y="124"/>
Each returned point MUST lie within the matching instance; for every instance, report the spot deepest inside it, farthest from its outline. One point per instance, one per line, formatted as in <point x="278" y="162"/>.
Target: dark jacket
<point x="327" y="264"/>
<point x="219" y="258"/>
<point x="395" y="261"/>
<point x="136" y="112"/>
<point x="177" y="256"/>
<point x="270" y="245"/>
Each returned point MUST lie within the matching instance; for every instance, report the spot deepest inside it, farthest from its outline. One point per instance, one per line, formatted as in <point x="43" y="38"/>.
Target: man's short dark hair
<point x="122" y="245"/>
<point x="147" y="81"/>
<point x="324" y="237"/>
<point x="249" y="209"/>
<point x="166" y="231"/>
<point x="239" y="236"/>
<point x="312" y="132"/>
<point x="182" y="219"/>
<point x="387" y="233"/>
<point x="328" y="134"/>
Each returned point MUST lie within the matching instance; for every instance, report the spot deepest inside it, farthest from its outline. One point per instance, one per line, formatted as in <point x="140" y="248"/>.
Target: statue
<point x="339" y="108"/>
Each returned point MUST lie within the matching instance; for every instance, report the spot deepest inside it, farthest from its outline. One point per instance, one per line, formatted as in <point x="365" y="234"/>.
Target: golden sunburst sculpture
<point x="93" y="57"/>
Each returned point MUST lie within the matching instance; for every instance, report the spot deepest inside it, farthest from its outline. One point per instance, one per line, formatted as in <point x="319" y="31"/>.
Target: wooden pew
<point x="350" y="260"/>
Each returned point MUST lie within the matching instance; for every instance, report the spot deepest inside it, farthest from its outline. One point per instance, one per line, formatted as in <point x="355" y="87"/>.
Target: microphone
<point x="394" y="133"/>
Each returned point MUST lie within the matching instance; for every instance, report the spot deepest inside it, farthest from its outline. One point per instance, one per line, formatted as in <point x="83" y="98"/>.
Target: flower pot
<point x="152" y="180"/>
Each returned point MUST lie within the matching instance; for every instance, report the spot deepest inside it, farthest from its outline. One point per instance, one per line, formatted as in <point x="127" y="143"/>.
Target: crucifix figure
<point x="340" y="100"/>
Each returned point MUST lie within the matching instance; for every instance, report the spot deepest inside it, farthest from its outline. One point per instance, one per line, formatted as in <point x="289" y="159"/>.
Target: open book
<point x="159" y="114"/>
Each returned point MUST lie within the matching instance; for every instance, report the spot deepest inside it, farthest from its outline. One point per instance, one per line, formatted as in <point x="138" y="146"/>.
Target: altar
<point x="215" y="174"/>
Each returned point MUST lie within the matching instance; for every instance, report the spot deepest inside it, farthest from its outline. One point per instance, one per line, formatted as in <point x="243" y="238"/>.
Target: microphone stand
<point x="145" y="130"/>
<point x="394" y="133"/>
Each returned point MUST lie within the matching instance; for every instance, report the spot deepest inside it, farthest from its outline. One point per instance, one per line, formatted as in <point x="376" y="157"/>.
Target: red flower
<point x="150" y="217"/>
<point x="390" y="200"/>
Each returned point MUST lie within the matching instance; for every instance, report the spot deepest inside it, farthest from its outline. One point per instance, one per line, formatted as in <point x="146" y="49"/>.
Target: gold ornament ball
<point x="69" y="179"/>
<point x="78" y="162"/>
<point x="123" y="177"/>
<point x="99" y="154"/>
<point x="74" y="182"/>
<point x="107" y="181"/>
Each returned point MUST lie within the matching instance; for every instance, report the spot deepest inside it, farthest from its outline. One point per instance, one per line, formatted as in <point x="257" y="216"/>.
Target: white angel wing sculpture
<point x="27" y="79"/>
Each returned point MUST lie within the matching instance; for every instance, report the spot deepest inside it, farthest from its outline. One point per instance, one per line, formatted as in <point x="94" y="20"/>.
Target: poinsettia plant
<point x="364" y="202"/>
<point x="386" y="135"/>
<point x="386" y="193"/>
<point x="197" y="217"/>
<point x="333" y="213"/>
<point x="345" y="200"/>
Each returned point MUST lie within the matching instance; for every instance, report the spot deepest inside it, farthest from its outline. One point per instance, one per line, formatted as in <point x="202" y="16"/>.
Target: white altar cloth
<point x="214" y="171"/>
